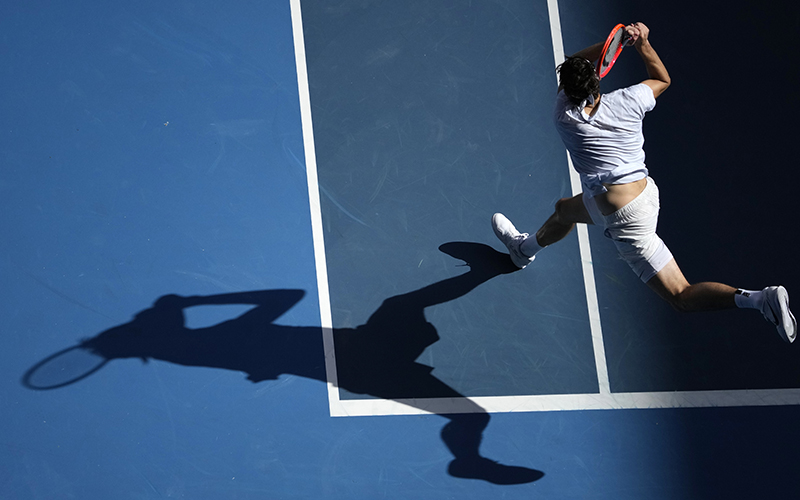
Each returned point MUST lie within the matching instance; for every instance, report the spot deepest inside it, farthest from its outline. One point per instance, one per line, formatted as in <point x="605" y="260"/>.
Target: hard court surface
<point x="247" y="254"/>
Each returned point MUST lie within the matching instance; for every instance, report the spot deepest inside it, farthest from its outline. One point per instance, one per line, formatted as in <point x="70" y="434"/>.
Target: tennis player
<point x="603" y="134"/>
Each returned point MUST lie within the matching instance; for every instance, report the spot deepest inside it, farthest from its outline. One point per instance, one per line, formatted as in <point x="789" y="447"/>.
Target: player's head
<point x="578" y="78"/>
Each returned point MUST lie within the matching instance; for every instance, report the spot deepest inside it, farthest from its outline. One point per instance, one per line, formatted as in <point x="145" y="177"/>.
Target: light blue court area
<point x="426" y="120"/>
<point x="246" y="253"/>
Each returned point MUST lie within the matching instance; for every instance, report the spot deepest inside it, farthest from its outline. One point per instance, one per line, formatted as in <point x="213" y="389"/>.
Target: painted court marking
<point x="583" y="232"/>
<point x="603" y="400"/>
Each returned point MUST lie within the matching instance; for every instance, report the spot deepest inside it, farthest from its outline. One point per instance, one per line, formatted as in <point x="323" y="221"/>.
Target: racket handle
<point x="627" y="38"/>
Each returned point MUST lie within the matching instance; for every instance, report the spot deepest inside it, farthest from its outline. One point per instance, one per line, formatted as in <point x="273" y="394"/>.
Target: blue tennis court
<point x="247" y="253"/>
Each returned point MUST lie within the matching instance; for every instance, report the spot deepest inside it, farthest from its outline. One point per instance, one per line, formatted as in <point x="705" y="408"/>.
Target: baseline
<point x="568" y="402"/>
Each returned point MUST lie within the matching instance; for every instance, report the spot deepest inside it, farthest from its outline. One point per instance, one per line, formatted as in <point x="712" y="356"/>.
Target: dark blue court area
<point x="246" y="253"/>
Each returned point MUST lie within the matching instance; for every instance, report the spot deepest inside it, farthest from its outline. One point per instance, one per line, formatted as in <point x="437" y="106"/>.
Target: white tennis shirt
<point x="606" y="147"/>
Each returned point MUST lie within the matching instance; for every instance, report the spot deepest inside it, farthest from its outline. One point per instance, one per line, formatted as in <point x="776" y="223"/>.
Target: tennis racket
<point x="612" y="48"/>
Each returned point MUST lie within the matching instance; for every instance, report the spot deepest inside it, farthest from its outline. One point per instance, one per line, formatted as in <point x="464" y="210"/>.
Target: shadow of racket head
<point x="63" y="368"/>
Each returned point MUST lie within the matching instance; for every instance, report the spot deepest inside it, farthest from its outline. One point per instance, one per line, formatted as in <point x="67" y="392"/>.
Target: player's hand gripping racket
<point x="615" y="42"/>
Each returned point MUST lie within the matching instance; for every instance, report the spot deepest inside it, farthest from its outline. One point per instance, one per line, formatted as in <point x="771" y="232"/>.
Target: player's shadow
<point x="375" y="359"/>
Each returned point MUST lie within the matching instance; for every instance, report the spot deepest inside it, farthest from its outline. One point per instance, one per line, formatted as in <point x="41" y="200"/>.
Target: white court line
<point x="326" y="320"/>
<point x="583" y="233"/>
<point x="495" y="404"/>
<point x="572" y="402"/>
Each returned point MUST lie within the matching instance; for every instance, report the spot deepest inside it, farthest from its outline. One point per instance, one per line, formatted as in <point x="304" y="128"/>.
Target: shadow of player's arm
<point x="277" y="301"/>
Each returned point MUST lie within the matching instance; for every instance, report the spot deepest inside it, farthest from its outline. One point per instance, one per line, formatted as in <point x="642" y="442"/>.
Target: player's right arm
<point x="658" y="77"/>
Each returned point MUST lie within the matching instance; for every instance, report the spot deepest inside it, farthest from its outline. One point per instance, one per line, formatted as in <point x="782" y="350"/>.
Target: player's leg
<point x="633" y="230"/>
<point x="568" y="212"/>
<point x="773" y="301"/>
<point x="523" y="247"/>
<point x="672" y="286"/>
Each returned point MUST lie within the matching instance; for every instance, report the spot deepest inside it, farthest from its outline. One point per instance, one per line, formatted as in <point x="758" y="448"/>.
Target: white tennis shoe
<point x="512" y="239"/>
<point x="775" y="309"/>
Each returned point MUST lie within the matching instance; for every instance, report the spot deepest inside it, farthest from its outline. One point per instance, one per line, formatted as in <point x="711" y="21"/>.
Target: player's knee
<point x="677" y="304"/>
<point x="680" y="302"/>
<point x="562" y="210"/>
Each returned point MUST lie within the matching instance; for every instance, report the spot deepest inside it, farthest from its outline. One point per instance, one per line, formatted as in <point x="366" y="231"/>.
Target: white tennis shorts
<point x="633" y="230"/>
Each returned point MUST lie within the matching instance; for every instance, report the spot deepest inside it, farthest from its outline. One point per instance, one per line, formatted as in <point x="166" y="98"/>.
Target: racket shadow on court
<point x="376" y="359"/>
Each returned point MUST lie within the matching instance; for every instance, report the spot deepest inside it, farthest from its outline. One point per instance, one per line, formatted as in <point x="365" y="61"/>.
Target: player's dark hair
<point x="578" y="78"/>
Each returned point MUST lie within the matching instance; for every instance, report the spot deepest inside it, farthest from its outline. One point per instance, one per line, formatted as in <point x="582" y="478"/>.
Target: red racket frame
<point x="605" y="49"/>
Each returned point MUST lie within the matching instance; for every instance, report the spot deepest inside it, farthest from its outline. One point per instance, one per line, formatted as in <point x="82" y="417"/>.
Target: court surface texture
<point x="246" y="253"/>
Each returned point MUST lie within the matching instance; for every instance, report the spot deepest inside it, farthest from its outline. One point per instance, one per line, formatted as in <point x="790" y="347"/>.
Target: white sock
<point x="748" y="299"/>
<point x="530" y="246"/>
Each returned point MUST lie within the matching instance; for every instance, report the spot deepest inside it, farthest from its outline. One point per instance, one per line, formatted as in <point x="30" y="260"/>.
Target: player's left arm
<point x="590" y="53"/>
